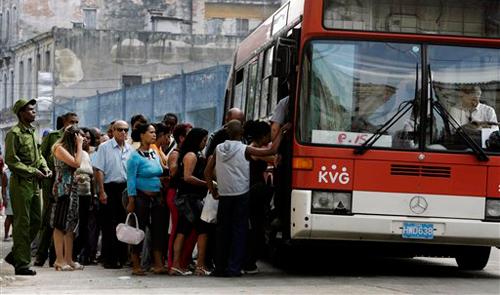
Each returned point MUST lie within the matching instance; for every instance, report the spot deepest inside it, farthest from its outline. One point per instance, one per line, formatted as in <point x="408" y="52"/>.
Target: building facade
<point x="54" y="50"/>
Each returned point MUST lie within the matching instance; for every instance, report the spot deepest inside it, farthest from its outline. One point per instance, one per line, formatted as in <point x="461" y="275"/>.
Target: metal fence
<point x="196" y="97"/>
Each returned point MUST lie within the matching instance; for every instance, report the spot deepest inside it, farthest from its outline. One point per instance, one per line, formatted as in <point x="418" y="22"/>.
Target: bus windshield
<point x="475" y="18"/>
<point x="351" y="88"/>
<point x="466" y="83"/>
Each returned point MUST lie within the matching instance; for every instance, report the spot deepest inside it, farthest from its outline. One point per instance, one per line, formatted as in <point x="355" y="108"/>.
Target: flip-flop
<point x="200" y="271"/>
<point x="178" y="272"/>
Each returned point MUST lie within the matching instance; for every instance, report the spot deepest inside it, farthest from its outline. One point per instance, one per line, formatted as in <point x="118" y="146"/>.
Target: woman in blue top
<point x="144" y="197"/>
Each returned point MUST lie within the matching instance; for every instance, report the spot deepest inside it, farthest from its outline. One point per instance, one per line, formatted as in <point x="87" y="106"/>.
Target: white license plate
<point x="422" y="231"/>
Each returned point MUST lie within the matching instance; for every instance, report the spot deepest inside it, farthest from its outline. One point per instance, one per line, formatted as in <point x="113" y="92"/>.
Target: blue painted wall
<point x="196" y="97"/>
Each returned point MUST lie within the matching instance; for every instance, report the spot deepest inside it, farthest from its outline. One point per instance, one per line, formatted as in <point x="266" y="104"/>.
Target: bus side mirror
<point x="282" y="58"/>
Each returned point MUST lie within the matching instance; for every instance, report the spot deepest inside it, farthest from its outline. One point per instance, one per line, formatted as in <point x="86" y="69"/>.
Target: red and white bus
<point x="390" y="144"/>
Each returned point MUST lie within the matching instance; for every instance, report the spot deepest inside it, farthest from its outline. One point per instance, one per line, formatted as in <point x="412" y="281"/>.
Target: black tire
<point x="473" y="258"/>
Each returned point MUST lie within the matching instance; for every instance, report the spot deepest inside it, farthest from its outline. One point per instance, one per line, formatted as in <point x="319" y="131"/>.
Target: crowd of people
<point x="89" y="181"/>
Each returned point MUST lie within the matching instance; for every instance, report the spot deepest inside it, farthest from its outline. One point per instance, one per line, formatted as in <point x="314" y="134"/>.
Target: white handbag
<point x="129" y="234"/>
<point x="210" y="207"/>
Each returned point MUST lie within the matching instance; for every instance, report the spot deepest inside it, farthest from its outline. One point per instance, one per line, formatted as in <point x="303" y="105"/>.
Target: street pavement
<point x="345" y="275"/>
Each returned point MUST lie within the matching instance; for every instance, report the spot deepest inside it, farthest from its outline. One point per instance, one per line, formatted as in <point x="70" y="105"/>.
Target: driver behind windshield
<point x="470" y="111"/>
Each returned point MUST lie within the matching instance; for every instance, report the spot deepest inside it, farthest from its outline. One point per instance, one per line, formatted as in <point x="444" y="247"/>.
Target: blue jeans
<point x="232" y="225"/>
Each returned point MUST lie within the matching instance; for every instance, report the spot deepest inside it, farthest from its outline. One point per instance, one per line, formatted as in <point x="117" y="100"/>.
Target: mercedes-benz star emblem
<point x="418" y="205"/>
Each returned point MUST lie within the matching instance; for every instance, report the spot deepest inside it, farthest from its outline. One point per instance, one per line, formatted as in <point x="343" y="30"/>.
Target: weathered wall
<point x="84" y="61"/>
<point x="24" y="19"/>
<point x="28" y="18"/>
<point x="87" y="61"/>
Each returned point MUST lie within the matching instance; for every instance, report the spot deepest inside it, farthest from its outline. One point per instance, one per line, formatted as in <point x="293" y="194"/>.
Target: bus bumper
<point x="385" y="228"/>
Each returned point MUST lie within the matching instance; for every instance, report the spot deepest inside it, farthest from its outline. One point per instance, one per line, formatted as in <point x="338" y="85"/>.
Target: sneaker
<point x="253" y="271"/>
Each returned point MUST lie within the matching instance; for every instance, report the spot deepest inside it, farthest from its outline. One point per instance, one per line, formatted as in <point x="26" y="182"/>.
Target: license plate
<point x="423" y="231"/>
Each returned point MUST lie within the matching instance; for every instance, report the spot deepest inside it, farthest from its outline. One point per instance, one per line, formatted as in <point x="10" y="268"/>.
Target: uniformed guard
<point x="27" y="168"/>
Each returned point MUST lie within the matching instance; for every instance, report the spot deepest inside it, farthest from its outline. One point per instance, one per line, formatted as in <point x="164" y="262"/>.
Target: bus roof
<point x="287" y="15"/>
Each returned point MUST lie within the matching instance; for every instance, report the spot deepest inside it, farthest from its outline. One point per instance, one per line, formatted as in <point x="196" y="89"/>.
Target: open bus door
<point x="284" y="68"/>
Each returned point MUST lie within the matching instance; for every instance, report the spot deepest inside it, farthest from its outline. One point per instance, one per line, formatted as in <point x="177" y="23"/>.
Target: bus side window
<point x="244" y="90"/>
<point x="258" y="88"/>
<point x="266" y="83"/>
<point x="264" y="98"/>
<point x="270" y="85"/>
<point x="240" y="82"/>
<point x="252" y="87"/>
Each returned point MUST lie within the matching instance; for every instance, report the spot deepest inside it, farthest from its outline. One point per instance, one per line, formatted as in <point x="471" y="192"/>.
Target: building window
<point x="21" y="80"/>
<point x="38" y="61"/>
<point x="1" y="25"/>
<point x="241" y="26"/>
<point x="47" y="61"/>
<point x="14" y="26"/>
<point x="214" y="26"/>
<point x="5" y="93"/>
<point x="12" y="88"/>
<point x="89" y="18"/>
<point x="29" y="79"/>
<point x="7" y="26"/>
<point x="131" y="80"/>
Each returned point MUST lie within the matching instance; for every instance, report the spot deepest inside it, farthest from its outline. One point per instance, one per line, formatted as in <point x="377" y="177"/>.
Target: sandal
<point x="138" y="272"/>
<point x="174" y="271"/>
<point x="77" y="266"/>
<point x="201" y="271"/>
<point x="62" y="267"/>
<point x="161" y="271"/>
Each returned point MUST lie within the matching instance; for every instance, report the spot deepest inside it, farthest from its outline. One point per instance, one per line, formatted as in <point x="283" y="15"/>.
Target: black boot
<point x="25" y="272"/>
<point x="9" y="259"/>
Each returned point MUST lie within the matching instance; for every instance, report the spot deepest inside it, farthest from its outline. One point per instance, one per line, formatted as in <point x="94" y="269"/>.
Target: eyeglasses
<point x="121" y="129"/>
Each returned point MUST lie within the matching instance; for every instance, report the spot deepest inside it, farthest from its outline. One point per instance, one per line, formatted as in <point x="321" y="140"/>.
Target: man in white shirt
<point x="471" y="111"/>
<point x="279" y="117"/>
<point x="111" y="177"/>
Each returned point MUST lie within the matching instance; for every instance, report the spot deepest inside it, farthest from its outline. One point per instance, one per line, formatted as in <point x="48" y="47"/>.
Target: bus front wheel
<point x="473" y="258"/>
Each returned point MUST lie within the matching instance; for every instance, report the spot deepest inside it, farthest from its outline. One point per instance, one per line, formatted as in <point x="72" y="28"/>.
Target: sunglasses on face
<point x="121" y="129"/>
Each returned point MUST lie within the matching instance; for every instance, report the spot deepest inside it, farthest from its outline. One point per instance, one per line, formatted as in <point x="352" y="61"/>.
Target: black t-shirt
<point x="198" y="172"/>
<point x="215" y="139"/>
<point x="257" y="169"/>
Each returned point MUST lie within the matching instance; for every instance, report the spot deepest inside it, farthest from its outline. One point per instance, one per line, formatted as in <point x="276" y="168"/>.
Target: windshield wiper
<point x="449" y="120"/>
<point x="403" y="108"/>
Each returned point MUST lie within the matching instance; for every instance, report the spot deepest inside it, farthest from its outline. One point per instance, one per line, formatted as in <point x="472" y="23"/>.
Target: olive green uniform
<point x="45" y="235"/>
<point x="23" y="158"/>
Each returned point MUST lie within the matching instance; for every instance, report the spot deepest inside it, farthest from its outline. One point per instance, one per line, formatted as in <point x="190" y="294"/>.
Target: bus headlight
<point x="338" y="203"/>
<point x="493" y="208"/>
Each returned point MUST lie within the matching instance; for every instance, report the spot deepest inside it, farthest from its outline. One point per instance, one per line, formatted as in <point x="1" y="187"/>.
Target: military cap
<point x="21" y="104"/>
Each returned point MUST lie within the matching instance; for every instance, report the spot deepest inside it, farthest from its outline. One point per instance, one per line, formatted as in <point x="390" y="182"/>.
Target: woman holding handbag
<point x="144" y="197"/>
<point x="67" y="158"/>
<point x="192" y="188"/>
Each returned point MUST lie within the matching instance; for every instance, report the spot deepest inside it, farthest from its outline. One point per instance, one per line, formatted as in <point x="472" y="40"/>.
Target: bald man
<point x="230" y="163"/>
<point x="110" y="162"/>
<point x="221" y="135"/>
